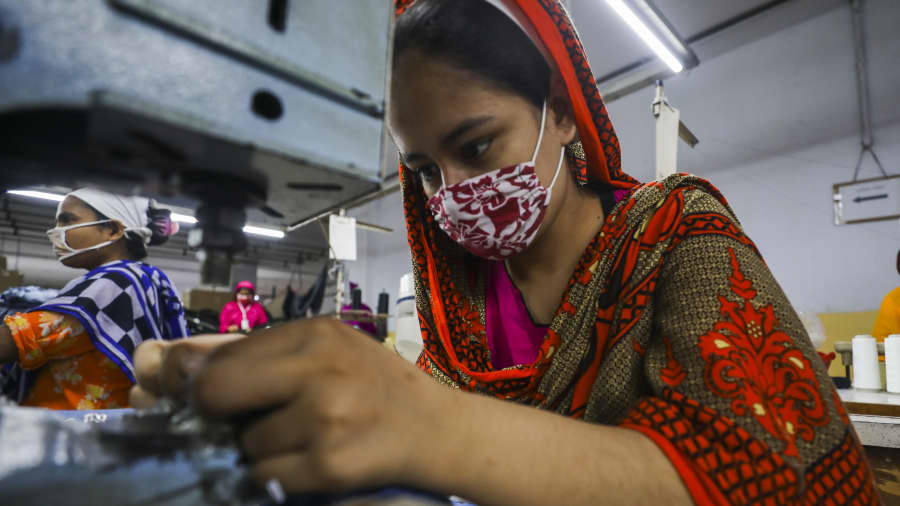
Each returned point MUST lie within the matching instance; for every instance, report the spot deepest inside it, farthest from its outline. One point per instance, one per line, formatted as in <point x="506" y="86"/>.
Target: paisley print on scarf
<point x="756" y="365"/>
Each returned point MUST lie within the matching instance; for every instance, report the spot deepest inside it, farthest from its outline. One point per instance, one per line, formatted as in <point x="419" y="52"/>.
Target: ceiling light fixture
<point x="183" y="218"/>
<point x="178" y="217"/>
<point x="37" y="195"/>
<point x="265" y="232"/>
<point x="644" y="32"/>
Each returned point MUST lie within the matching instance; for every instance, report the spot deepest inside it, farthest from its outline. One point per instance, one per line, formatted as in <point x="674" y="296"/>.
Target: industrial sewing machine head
<point x="223" y="106"/>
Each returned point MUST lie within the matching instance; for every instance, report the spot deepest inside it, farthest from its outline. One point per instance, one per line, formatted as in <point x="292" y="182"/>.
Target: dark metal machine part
<point x="158" y="97"/>
<point x="164" y="456"/>
<point x="142" y="458"/>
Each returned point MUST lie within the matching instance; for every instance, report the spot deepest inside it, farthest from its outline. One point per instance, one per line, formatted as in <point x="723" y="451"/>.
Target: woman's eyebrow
<point x="66" y="216"/>
<point x="464" y="127"/>
<point x="448" y="138"/>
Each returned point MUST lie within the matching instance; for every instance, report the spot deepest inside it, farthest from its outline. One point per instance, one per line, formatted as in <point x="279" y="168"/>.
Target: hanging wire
<point x="336" y="271"/>
<point x="327" y="239"/>
<point x="864" y="102"/>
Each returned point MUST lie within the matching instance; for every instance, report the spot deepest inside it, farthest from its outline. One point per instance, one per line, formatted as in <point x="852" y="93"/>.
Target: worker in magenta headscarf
<point x="243" y="314"/>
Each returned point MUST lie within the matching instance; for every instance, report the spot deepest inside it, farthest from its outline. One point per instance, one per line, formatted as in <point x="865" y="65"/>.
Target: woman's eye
<point x="428" y="173"/>
<point x="475" y="149"/>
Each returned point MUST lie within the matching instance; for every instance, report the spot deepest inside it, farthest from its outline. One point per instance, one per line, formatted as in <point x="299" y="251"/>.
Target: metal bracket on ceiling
<point x="866" y="140"/>
<point x="669" y="129"/>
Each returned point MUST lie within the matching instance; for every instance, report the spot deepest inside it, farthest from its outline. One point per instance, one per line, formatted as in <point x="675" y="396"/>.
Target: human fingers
<point x="228" y="387"/>
<point x="147" y="363"/>
<point x="308" y="471"/>
<point x="289" y="428"/>
<point x="179" y="360"/>
<point x="281" y="340"/>
<point x="139" y="398"/>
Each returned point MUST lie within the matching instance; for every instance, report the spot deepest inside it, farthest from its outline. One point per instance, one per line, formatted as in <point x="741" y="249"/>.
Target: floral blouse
<point x="72" y="372"/>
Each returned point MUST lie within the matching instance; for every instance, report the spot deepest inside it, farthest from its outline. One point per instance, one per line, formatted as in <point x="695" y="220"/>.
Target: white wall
<point x="784" y="203"/>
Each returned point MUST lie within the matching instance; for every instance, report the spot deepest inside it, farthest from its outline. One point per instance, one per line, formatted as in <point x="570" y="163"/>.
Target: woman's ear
<point x="116" y="230"/>
<point x="561" y="110"/>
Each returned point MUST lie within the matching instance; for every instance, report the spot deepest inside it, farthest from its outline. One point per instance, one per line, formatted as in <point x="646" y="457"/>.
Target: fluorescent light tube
<point x="248" y="229"/>
<point x="38" y="195"/>
<point x="183" y="218"/>
<point x="265" y="232"/>
<point x="646" y="35"/>
<point x="178" y="217"/>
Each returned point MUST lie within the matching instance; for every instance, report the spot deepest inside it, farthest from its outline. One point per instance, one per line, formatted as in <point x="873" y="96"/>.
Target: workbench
<point x="876" y="418"/>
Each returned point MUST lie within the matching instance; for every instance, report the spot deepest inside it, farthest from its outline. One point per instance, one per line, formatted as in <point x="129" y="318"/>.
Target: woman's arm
<point x="495" y="452"/>
<point x="342" y="412"/>
<point x="40" y="336"/>
<point x="8" y="350"/>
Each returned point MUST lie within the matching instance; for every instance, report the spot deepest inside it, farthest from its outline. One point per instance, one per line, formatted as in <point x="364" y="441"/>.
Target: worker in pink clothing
<point x="243" y="314"/>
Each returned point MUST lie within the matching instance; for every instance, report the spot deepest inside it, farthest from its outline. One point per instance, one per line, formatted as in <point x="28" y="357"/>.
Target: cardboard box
<point x="205" y="298"/>
<point x="9" y="279"/>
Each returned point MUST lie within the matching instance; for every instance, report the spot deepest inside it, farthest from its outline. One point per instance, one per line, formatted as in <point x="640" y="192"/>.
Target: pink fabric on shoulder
<point x="618" y="195"/>
<point x="512" y="336"/>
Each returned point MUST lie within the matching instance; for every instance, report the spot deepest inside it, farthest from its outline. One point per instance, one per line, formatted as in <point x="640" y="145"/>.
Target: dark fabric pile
<point x="19" y="299"/>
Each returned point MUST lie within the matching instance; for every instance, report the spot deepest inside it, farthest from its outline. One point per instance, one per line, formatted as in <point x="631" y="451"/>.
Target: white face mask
<point x="57" y="237"/>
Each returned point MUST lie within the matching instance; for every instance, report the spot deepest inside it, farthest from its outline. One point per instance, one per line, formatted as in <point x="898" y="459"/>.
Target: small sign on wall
<point x="342" y="237"/>
<point x="867" y="200"/>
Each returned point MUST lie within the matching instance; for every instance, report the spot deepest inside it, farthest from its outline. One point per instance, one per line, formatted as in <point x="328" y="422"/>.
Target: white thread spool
<point x="408" y="337"/>
<point x="866" y="373"/>
<point x="892" y="362"/>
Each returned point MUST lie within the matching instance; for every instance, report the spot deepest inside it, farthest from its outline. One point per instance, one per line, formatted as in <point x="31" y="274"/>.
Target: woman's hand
<point x="233" y="328"/>
<point x="164" y="368"/>
<point x="332" y="409"/>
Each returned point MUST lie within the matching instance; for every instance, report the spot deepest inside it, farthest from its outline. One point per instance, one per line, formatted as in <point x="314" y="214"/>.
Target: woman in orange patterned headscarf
<point x="671" y="325"/>
<point x="555" y="282"/>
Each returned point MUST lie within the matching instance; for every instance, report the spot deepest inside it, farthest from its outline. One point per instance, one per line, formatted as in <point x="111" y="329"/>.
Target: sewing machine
<point x="230" y="107"/>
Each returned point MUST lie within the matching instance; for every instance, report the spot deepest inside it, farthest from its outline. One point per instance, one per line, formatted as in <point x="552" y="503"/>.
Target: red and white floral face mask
<point x="498" y="214"/>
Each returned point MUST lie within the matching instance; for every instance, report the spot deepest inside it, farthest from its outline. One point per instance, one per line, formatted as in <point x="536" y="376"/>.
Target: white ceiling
<point x="611" y="45"/>
<point x="790" y="89"/>
<point x="690" y="17"/>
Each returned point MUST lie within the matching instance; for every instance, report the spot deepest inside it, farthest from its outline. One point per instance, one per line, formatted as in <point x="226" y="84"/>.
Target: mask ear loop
<point x="443" y="182"/>
<point x="562" y="154"/>
<point x="537" y="148"/>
